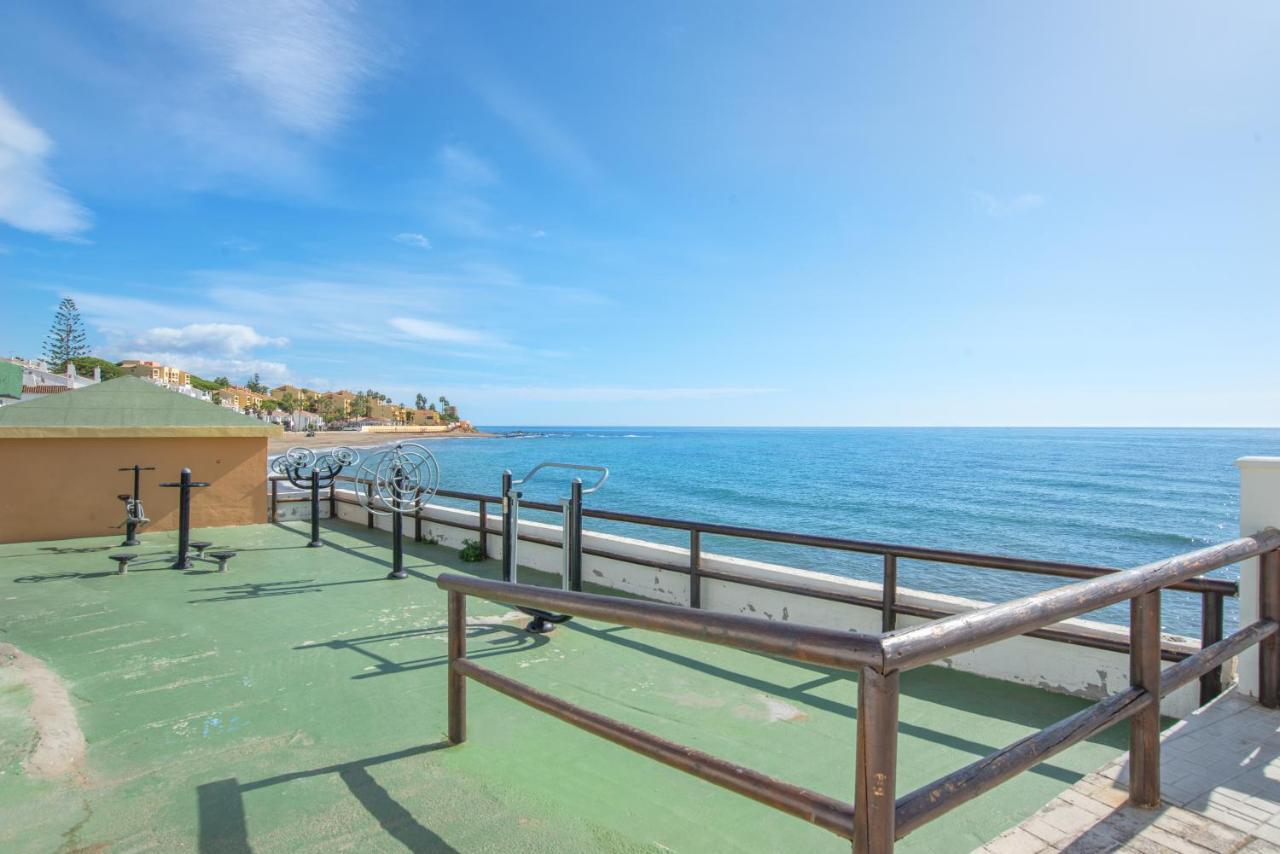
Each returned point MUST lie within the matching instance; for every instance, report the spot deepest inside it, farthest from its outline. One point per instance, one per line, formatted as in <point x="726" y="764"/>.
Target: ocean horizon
<point x="1109" y="496"/>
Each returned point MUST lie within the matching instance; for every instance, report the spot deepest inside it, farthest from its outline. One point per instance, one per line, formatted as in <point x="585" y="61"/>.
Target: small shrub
<point x="431" y="539"/>
<point x="471" y="551"/>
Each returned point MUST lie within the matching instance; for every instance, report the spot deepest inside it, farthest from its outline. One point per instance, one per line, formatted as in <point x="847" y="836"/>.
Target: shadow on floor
<point x="502" y="639"/>
<point x="224" y="827"/>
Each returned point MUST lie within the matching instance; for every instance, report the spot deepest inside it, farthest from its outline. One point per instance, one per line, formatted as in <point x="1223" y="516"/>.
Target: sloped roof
<point x="121" y="408"/>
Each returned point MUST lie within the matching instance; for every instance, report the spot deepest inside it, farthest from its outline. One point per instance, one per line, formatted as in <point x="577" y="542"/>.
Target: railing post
<point x="510" y="529"/>
<point x="888" y="608"/>
<point x="275" y="498"/>
<point x="874" y="788"/>
<point x="573" y="535"/>
<point x="484" y="529"/>
<point x="1210" y="633"/>
<point x="457" y="682"/>
<point x="1144" y="672"/>
<point x="1269" y="649"/>
<point x="1259" y="509"/>
<point x="695" y="569"/>
<point x="333" y="499"/>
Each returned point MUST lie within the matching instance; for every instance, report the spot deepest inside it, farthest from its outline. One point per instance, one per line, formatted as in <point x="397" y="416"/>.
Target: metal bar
<point x="888" y="608"/>
<point x="1185" y="671"/>
<point x="484" y="529"/>
<point x="333" y="500"/>
<point x="397" y="547"/>
<point x="509" y="532"/>
<point x="275" y="498"/>
<point x="184" y="520"/>
<point x="695" y="569"/>
<point x="874" y="808"/>
<point x="924" y="644"/>
<point x="1211" y="624"/>
<point x="573" y="528"/>
<point x="945" y="794"/>
<point x="417" y="516"/>
<point x="1144" y="674"/>
<point x="1269" y="609"/>
<point x="315" y="509"/>
<point x="831" y="647"/>
<point x="813" y="807"/>
<point x="457" y="682"/>
<point x="962" y="558"/>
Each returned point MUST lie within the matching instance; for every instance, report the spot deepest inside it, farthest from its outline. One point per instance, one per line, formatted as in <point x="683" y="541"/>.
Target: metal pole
<point x="315" y="510"/>
<point x="573" y="526"/>
<point x="484" y="529"/>
<point x="508" y="514"/>
<point x="397" y="526"/>
<point x="874" y="787"/>
<point x="1269" y="649"/>
<point x="131" y="527"/>
<point x="457" y="682"/>
<point x="695" y="569"/>
<point x="1144" y="673"/>
<point x="888" y="609"/>
<point x="275" y="499"/>
<point x="184" y="520"/>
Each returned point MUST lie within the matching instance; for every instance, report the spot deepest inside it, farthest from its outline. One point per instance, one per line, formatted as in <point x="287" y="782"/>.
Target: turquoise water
<point x="1104" y="496"/>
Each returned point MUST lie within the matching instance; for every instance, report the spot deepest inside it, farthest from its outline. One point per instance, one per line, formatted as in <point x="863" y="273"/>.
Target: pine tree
<point x="66" y="338"/>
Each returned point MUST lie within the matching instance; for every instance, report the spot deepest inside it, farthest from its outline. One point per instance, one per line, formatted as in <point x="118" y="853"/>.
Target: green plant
<point x="471" y="551"/>
<point x="431" y="539"/>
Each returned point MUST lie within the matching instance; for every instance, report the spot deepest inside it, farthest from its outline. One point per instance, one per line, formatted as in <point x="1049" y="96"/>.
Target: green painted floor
<point x="296" y="703"/>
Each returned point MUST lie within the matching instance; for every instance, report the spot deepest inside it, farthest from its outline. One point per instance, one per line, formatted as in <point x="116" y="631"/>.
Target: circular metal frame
<point x="401" y="480"/>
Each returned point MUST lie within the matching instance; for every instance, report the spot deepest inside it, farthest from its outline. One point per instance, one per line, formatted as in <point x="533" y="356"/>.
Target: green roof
<point x="125" y="407"/>
<point x="10" y="380"/>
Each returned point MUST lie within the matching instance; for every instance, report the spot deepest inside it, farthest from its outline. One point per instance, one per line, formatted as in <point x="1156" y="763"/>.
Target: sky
<point x="712" y="213"/>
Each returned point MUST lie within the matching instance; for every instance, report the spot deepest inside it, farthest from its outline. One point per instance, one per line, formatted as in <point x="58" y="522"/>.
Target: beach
<point x="352" y="439"/>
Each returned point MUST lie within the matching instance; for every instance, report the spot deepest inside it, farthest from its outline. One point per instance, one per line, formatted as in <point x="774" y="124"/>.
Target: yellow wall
<point x="60" y="488"/>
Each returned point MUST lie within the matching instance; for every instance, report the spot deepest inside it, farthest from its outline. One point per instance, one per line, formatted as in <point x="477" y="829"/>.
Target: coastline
<point x="336" y="438"/>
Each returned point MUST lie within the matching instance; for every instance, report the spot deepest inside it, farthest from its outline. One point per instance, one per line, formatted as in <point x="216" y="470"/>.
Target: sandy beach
<point x="334" y="438"/>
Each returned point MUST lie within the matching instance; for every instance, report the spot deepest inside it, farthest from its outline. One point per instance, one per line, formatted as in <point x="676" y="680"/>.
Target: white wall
<point x="1259" y="508"/>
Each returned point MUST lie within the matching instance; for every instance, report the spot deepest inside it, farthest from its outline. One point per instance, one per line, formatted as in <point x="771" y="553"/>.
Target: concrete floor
<point x="296" y="703"/>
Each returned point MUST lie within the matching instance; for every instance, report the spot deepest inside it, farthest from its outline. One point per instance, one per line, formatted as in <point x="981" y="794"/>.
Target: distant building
<point x="21" y="379"/>
<point x="240" y="399"/>
<point x="156" y="372"/>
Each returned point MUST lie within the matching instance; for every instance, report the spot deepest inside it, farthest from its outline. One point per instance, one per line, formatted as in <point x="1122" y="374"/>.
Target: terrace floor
<point x="297" y="703"/>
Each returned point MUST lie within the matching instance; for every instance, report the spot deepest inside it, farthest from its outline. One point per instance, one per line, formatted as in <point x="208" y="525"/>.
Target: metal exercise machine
<point x="398" y="483"/>
<point x="307" y="471"/>
<point x="186" y="484"/>
<point x="134" y="515"/>
<point x="571" y="534"/>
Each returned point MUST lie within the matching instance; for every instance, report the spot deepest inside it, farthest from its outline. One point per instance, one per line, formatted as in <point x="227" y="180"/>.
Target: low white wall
<point x="292" y="510"/>
<point x="1051" y="665"/>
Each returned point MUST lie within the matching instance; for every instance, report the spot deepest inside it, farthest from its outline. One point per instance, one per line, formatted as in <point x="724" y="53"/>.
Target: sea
<point x="1111" y="497"/>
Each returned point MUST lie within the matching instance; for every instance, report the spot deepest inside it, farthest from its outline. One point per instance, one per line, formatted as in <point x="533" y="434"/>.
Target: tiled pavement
<point x="1220" y="784"/>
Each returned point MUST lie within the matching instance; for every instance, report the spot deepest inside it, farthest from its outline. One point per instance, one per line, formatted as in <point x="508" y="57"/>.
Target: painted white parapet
<point x="1259" y="508"/>
<point x="1054" y="666"/>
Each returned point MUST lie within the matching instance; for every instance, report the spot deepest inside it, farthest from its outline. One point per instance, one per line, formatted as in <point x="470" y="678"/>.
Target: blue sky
<point x="662" y="213"/>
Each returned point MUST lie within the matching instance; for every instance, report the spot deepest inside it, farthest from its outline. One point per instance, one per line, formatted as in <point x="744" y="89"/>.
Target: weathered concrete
<point x="297" y="703"/>
<point x="1220" y="789"/>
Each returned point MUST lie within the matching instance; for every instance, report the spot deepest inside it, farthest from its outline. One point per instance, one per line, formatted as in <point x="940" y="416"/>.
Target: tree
<point x="66" y="339"/>
<point x="255" y="385"/>
<point x="420" y="402"/>
<point x="287" y="403"/>
<point x="86" y="364"/>
<point x="268" y="406"/>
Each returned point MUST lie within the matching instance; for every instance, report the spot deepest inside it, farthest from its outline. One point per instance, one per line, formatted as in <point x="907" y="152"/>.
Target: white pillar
<point x="1259" y="508"/>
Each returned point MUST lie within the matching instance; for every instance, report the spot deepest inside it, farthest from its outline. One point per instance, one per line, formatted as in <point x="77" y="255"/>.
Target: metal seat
<point x="122" y="561"/>
<point x="200" y="546"/>
<point x="223" y="557"/>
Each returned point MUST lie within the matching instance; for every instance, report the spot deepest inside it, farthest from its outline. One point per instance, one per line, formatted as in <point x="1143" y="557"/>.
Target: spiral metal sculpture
<point x="306" y="470"/>
<point x="400" y="481"/>
<point x="397" y="483"/>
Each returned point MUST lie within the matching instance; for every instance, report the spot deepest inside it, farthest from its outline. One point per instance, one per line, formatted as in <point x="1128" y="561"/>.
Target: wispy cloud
<point x="432" y="330"/>
<point x="536" y="125"/>
<point x="410" y="238"/>
<point x="1008" y="205"/>
<point x="220" y="339"/>
<point x="463" y="166"/>
<point x="29" y="197"/>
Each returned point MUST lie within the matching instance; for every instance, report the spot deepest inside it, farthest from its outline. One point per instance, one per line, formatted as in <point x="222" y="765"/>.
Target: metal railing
<point x="1212" y="591"/>
<point x="878" y="817"/>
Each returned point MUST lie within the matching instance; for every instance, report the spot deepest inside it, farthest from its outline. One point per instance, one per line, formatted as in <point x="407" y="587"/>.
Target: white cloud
<point x="465" y="167"/>
<point x="1008" y="205"/>
<point x="208" y="367"/>
<point x="29" y="198"/>
<point x="431" y="330"/>
<point x="607" y="394"/>
<point x="410" y="238"/>
<point x="223" y="340"/>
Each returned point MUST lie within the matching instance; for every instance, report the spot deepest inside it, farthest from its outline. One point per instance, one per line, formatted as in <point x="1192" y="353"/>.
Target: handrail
<point x="601" y="470"/>
<point x="829" y="647"/>
<point x="949" y="636"/>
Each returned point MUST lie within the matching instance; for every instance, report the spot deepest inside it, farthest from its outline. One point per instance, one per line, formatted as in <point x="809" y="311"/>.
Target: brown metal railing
<point x="1212" y="591"/>
<point x="878" y="818"/>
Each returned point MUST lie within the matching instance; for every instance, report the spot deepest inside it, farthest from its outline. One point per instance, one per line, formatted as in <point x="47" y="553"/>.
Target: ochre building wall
<point x="60" y="488"/>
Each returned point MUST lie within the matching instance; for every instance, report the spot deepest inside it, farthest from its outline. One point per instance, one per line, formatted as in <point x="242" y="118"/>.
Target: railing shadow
<point x="507" y="639"/>
<point x="913" y="687"/>
<point x="224" y="827"/>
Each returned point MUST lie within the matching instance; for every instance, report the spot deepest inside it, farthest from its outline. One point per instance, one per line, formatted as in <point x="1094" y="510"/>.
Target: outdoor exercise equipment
<point x="397" y="483"/>
<point x="134" y="515"/>
<point x="307" y="471"/>
<point x="186" y="484"/>
<point x="122" y="562"/>
<point x="571" y="534"/>
<point x="222" y="557"/>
